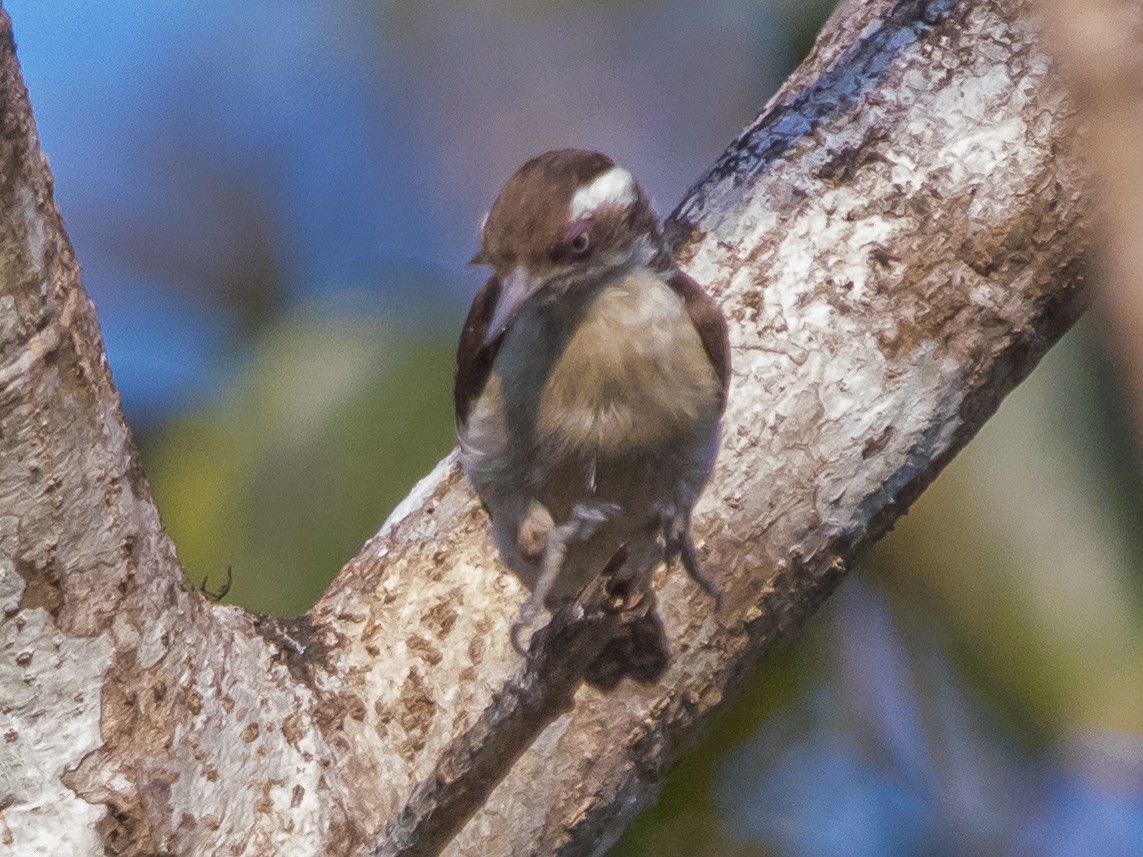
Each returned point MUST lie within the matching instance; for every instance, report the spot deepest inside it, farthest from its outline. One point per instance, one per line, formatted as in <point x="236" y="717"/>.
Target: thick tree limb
<point x="475" y="761"/>
<point x="897" y="239"/>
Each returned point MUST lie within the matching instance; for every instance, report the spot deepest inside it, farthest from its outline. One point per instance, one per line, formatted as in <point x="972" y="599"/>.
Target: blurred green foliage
<point x="1025" y="550"/>
<point x="337" y="411"/>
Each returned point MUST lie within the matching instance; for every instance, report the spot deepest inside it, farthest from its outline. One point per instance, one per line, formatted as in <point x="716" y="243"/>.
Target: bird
<point x="591" y="379"/>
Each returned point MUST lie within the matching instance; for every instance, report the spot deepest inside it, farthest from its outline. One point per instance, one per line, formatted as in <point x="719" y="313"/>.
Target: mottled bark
<point x="896" y="240"/>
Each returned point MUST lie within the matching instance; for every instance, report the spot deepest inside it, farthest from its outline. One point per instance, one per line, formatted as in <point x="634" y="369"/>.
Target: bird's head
<point x="564" y="220"/>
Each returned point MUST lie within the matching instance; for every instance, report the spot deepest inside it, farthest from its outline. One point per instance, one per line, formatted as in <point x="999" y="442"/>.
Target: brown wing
<point x="710" y="324"/>
<point x="473" y="356"/>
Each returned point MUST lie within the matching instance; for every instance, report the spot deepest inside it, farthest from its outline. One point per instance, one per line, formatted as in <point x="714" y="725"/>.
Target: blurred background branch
<point x="1099" y="47"/>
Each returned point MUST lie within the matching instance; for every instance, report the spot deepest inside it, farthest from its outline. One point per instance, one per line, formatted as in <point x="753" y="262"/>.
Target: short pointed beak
<point x="515" y="289"/>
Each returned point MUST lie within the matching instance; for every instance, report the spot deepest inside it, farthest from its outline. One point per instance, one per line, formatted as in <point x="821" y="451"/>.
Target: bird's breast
<point x="631" y="377"/>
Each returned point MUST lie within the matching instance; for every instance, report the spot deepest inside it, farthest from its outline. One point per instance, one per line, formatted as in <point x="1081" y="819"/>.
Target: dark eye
<point x="580" y="243"/>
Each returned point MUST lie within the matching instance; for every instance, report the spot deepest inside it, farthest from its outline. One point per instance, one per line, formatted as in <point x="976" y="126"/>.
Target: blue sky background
<point x="320" y="144"/>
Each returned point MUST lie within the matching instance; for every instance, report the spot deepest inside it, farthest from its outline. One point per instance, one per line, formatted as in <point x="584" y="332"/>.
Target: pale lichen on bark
<point x="896" y="241"/>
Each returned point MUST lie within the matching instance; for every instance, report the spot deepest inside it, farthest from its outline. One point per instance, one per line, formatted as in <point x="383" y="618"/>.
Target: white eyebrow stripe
<point x="614" y="187"/>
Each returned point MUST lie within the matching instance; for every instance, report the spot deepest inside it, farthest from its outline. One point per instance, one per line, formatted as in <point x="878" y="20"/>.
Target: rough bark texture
<point x="896" y="240"/>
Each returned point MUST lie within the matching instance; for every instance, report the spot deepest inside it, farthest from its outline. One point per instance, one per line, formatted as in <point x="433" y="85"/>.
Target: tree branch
<point x="477" y="759"/>
<point x="897" y="239"/>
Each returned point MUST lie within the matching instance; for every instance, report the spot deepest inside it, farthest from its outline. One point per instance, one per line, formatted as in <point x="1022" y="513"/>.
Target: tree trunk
<point x="896" y="240"/>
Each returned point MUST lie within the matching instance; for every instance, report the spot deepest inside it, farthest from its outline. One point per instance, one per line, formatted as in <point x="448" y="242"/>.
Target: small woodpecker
<point x="591" y="378"/>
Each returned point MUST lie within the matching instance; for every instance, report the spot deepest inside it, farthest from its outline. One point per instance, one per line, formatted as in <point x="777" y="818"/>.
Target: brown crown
<point x="530" y="221"/>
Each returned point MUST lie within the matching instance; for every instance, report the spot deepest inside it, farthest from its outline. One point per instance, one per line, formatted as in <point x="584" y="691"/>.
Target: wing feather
<point x="710" y="324"/>
<point x="473" y="355"/>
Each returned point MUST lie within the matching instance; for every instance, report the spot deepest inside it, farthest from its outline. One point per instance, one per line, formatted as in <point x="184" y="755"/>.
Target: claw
<point x="695" y="572"/>
<point x="677" y="543"/>
<point x="525" y="621"/>
<point x="514" y="635"/>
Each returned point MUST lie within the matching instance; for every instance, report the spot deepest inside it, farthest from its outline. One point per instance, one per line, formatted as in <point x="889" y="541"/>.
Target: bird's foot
<point x="588" y="517"/>
<point x="584" y="520"/>
<point x="534" y="530"/>
<point x="526" y="625"/>
<point x="695" y="572"/>
<point x="677" y="544"/>
<point x="538" y="525"/>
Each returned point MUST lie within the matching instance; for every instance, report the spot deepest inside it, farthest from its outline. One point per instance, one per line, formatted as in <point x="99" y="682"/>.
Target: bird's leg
<point x="585" y="519"/>
<point x="677" y="543"/>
